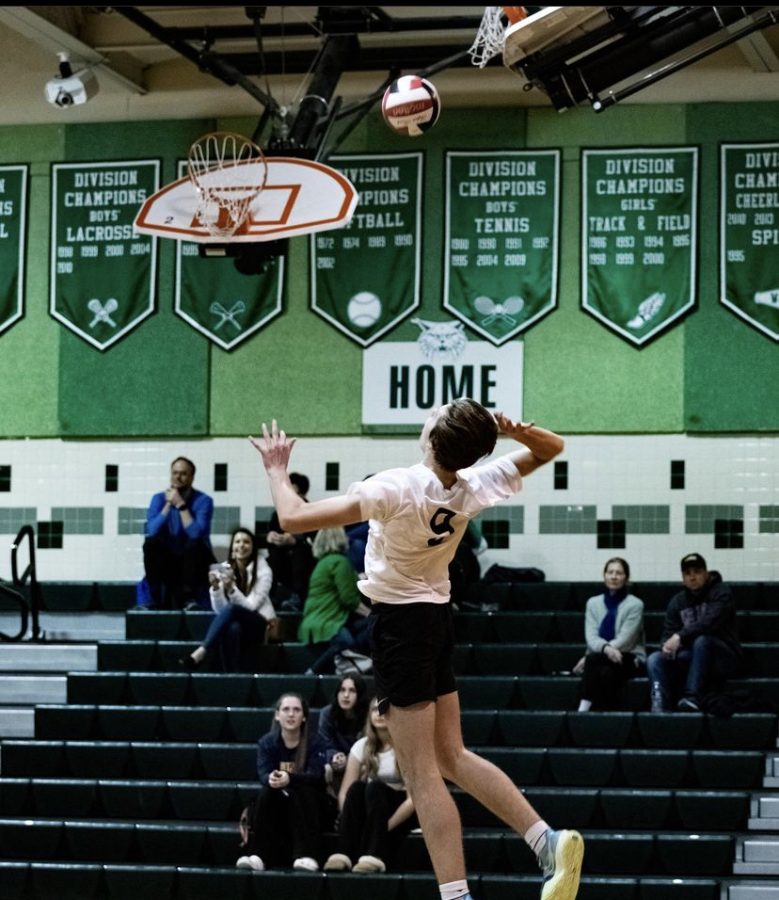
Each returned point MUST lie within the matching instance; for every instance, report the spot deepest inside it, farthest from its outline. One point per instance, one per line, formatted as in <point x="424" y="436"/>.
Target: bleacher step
<point x="764" y="849"/>
<point x="757" y="855"/>
<point x="754" y="891"/>
<point x="17" y="723"/>
<point x="48" y="657"/>
<point x="71" y="626"/>
<point x="764" y="813"/>
<point x="18" y="690"/>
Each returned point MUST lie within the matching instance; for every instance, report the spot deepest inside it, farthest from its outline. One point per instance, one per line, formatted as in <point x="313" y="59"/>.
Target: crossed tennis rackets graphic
<point x="504" y="312"/>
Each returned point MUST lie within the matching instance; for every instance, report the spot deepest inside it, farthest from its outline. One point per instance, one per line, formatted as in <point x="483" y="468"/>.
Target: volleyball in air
<point x="411" y="105"/>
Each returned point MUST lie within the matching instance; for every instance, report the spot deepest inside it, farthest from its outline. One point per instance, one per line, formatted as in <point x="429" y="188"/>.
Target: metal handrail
<point x="17" y="598"/>
<point x="35" y="596"/>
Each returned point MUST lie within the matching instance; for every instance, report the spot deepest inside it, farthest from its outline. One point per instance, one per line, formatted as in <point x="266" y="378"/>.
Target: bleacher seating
<point x="134" y="786"/>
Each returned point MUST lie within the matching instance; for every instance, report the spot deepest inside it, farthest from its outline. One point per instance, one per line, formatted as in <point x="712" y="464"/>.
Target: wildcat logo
<point x="441" y="340"/>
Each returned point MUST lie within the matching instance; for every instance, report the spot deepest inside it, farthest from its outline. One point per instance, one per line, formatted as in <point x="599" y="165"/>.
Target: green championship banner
<point x="13" y="227"/>
<point x="217" y="300"/>
<point x="502" y="227"/>
<point x="639" y="237"/>
<point x="749" y="233"/>
<point x="102" y="273"/>
<point x="365" y="277"/>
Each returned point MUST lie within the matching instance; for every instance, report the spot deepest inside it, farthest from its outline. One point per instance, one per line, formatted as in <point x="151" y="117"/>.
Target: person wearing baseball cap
<point x="699" y="646"/>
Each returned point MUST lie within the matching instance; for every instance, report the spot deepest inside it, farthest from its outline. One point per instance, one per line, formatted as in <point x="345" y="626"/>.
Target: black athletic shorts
<point x="412" y="646"/>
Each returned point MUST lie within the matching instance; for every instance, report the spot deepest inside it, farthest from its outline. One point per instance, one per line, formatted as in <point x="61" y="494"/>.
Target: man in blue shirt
<point x="177" y="550"/>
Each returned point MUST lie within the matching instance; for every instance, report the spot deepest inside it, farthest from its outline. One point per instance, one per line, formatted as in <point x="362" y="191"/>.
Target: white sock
<point x="535" y="837"/>
<point x="585" y="705"/>
<point x="452" y="890"/>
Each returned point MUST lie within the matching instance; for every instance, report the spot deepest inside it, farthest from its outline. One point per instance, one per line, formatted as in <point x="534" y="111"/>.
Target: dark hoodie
<point x="710" y="610"/>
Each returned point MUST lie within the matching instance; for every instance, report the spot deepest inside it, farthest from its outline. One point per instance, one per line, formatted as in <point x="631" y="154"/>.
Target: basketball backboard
<point x="300" y="197"/>
<point x="551" y="26"/>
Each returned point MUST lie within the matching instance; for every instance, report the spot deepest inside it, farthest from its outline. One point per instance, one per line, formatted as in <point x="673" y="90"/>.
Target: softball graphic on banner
<point x="363" y="309"/>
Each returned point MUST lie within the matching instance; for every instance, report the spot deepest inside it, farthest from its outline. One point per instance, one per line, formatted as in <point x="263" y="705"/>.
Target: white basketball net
<point x="490" y="36"/>
<point x="228" y="172"/>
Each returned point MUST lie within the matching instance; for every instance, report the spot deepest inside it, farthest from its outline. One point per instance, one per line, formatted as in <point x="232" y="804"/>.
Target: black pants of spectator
<point x="603" y="683"/>
<point x="355" y="635"/>
<point x="288" y="824"/>
<point x="363" y="827"/>
<point x="464" y="571"/>
<point x="177" y="576"/>
<point x="291" y="567"/>
<point x="238" y="633"/>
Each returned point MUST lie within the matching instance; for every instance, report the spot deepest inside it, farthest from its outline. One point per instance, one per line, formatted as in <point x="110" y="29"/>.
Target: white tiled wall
<point x="602" y="470"/>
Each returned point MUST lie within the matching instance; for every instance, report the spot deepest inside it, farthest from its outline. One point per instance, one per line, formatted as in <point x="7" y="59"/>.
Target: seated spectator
<point x="614" y="633"/>
<point x="177" y="550"/>
<point x="464" y="569"/>
<point x="340" y="724"/>
<point x="289" y="556"/>
<point x="334" y="617"/>
<point x="699" y="648"/>
<point x="357" y="535"/>
<point x="240" y="598"/>
<point x="284" y="824"/>
<point x="373" y="802"/>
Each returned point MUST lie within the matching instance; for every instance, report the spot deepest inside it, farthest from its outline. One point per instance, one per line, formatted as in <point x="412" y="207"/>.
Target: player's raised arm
<point x="541" y="445"/>
<point x="295" y="515"/>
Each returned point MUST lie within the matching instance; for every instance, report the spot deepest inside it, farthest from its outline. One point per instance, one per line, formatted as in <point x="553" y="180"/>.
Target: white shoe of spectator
<point x="369" y="864"/>
<point x="307" y="863"/>
<point x="338" y="862"/>
<point x="250" y="862"/>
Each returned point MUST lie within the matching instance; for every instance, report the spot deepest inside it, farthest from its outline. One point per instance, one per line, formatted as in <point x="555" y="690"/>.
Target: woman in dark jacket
<point x="340" y="724"/>
<point x="285" y="821"/>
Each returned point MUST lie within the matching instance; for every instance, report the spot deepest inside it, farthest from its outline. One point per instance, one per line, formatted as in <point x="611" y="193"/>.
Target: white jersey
<point x="416" y="524"/>
<point x="388" y="772"/>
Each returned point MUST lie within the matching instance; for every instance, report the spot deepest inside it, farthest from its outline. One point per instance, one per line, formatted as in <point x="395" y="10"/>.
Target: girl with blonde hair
<point x="373" y="801"/>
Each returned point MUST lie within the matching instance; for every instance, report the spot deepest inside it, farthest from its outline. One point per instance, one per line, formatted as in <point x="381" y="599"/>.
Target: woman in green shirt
<point x="334" y="617"/>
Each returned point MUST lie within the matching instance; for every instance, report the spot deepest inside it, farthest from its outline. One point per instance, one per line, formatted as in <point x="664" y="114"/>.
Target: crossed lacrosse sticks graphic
<point x="227" y="315"/>
<point x="103" y="311"/>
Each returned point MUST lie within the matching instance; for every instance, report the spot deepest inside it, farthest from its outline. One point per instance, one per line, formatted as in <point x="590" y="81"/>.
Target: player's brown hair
<point x="464" y="433"/>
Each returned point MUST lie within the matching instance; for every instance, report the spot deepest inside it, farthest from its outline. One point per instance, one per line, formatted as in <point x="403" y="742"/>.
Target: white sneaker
<point x="250" y="862"/>
<point x="369" y="864"/>
<point x="561" y="863"/>
<point x="338" y="862"/>
<point x="307" y="863"/>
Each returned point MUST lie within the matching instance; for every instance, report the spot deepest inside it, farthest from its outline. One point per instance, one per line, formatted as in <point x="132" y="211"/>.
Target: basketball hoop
<point x="228" y="171"/>
<point x="492" y="32"/>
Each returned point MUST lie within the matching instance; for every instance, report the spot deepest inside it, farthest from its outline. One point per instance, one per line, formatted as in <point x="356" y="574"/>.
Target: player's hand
<point x="274" y="447"/>
<point x="511" y="428"/>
